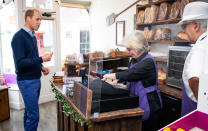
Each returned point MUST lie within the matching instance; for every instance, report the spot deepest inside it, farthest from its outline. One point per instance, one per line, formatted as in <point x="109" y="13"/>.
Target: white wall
<point x="103" y="36"/>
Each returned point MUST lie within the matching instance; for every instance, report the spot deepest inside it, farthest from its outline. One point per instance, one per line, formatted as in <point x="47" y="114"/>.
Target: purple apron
<point x="138" y="89"/>
<point x="188" y="105"/>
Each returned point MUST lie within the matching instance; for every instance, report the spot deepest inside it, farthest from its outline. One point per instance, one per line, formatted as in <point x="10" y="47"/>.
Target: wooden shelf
<point x="161" y="59"/>
<point x="169" y="21"/>
<point x="153" y="3"/>
<point x="167" y="41"/>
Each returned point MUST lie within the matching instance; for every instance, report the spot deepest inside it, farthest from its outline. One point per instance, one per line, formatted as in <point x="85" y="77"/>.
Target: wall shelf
<point x="169" y="21"/>
<point x="167" y="41"/>
<point x="161" y="59"/>
<point x="153" y="3"/>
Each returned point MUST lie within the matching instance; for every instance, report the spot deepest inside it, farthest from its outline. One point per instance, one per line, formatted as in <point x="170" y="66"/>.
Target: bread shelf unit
<point x="159" y="22"/>
<point x="169" y="21"/>
<point x="161" y="59"/>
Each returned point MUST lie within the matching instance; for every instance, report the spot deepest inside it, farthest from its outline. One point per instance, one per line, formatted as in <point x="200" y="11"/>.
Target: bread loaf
<point x="165" y="34"/>
<point x="182" y="35"/>
<point x="147" y="15"/>
<point x="153" y="13"/>
<point x="152" y="34"/>
<point x="175" y="9"/>
<point x="183" y="4"/>
<point x="164" y="11"/>
<point x="158" y="34"/>
<point x="146" y="34"/>
<point x="140" y="17"/>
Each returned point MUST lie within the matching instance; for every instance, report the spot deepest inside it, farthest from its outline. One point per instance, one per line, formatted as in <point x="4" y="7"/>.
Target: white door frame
<point x="46" y="94"/>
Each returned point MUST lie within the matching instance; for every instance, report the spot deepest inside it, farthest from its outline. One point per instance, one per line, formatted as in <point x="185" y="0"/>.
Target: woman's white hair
<point x="137" y="41"/>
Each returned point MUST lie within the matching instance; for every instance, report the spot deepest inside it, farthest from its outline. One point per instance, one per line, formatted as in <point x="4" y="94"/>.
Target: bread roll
<point x="164" y="11"/>
<point x="147" y="15"/>
<point x="182" y="35"/>
<point x="153" y="13"/>
<point x="140" y="17"/>
<point x="175" y="9"/>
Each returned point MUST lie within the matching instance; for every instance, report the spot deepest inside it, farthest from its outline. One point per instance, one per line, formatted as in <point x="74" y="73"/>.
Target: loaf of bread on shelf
<point x="153" y="13"/>
<point x="152" y="34"/>
<point x="183" y="4"/>
<point x="96" y="54"/>
<point x="147" y="15"/>
<point x="164" y="11"/>
<point x="146" y="34"/>
<point x="182" y="35"/>
<point x="175" y="9"/>
<point x="158" y="34"/>
<point x="166" y="34"/>
<point x="140" y="17"/>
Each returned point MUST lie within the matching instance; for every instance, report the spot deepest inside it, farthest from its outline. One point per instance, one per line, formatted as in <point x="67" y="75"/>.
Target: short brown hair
<point x="30" y="13"/>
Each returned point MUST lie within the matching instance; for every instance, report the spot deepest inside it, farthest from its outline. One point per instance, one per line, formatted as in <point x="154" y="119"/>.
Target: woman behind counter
<point x="142" y="79"/>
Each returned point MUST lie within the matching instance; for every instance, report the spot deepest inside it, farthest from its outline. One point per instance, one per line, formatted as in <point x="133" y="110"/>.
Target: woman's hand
<point x="111" y="76"/>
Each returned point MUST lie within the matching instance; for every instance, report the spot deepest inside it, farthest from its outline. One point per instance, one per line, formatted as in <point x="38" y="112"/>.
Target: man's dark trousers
<point x="30" y="90"/>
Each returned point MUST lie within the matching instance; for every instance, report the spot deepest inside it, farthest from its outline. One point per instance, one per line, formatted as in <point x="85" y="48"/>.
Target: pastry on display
<point x="161" y="76"/>
<point x="164" y="11"/>
<point x="175" y="9"/>
<point x="96" y="55"/>
<point x="182" y="35"/>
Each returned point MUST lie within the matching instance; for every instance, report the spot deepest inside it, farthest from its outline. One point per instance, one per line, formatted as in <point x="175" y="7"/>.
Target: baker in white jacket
<point x="194" y="23"/>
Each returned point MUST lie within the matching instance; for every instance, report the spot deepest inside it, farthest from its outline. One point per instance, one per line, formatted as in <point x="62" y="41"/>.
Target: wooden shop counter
<point x="120" y="120"/>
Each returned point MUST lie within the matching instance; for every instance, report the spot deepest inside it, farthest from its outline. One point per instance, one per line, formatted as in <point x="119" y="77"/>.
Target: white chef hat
<point x="195" y="11"/>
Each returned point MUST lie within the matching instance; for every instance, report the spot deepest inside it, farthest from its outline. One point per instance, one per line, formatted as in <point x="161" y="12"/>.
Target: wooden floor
<point x="48" y="119"/>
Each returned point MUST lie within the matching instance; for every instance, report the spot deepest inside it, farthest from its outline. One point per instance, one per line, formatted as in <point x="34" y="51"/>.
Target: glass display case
<point x="90" y="93"/>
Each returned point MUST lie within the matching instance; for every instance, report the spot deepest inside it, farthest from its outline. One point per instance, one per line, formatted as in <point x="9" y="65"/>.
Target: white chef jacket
<point x="193" y="66"/>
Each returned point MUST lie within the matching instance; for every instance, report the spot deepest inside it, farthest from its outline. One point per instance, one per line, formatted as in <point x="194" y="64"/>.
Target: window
<point x="68" y="34"/>
<point x="84" y="42"/>
<point x="39" y="4"/>
<point x="8" y="27"/>
<point x="72" y="24"/>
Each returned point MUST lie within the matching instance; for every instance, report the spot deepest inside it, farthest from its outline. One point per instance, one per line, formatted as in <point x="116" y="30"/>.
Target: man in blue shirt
<point x="28" y="67"/>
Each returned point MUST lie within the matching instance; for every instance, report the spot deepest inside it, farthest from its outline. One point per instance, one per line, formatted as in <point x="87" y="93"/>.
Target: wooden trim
<point x="123" y="29"/>
<point x="89" y="103"/>
<point x="118" y="114"/>
<point x="128" y="7"/>
<point x="168" y="41"/>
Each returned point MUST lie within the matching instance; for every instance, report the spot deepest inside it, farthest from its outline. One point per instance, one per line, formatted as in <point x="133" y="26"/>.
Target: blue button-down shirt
<point x="31" y="33"/>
